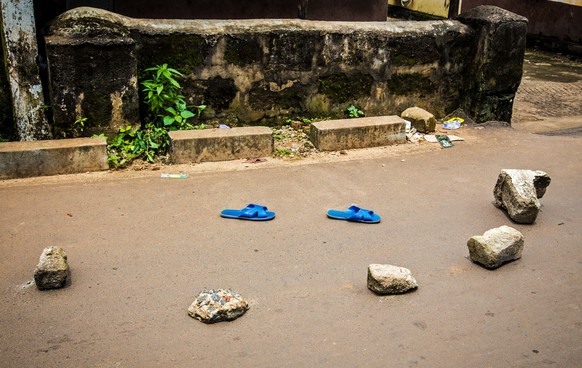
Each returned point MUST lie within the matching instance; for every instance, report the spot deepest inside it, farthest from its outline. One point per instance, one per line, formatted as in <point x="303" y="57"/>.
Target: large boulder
<point x="496" y="247"/>
<point x="388" y="279"/>
<point x="219" y="305"/>
<point x="518" y="191"/>
<point x="420" y="119"/>
<point x="52" y="269"/>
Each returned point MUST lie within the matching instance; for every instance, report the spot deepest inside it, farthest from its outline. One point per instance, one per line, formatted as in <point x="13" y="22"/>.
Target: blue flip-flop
<point x="252" y="212"/>
<point x="355" y="214"/>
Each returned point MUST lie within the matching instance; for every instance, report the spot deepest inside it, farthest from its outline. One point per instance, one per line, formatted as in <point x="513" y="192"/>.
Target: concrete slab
<point x="334" y="135"/>
<point x="52" y="157"/>
<point x="220" y="144"/>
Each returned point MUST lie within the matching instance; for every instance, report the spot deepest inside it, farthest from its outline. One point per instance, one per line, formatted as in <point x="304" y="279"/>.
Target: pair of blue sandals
<point x="256" y="212"/>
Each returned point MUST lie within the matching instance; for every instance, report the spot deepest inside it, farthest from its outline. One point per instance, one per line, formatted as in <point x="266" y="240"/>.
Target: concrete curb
<point x="52" y="157"/>
<point x="334" y="135"/>
<point x="78" y="155"/>
<point x="190" y="146"/>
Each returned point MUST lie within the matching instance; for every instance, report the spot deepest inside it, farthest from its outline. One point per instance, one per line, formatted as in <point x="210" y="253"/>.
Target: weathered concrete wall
<point x="93" y="73"/>
<point x="263" y="71"/>
<point x="498" y="61"/>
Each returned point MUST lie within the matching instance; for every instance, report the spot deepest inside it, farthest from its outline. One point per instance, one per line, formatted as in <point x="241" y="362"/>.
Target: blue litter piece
<point x="252" y="212"/>
<point x="355" y="214"/>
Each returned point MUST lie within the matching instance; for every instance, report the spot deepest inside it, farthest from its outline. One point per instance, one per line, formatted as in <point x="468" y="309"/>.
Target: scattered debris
<point x="453" y="123"/>
<point x="388" y="279"/>
<point x="420" y="119"/>
<point x="174" y="176"/>
<point x="431" y="138"/>
<point x="496" y="247"/>
<point x="52" y="269"/>
<point x="444" y="141"/>
<point x="218" y="305"/>
<point x="223" y="126"/>
<point x="460" y="114"/>
<point x="292" y="143"/>
<point x="413" y="136"/>
<point x="518" y="191"/>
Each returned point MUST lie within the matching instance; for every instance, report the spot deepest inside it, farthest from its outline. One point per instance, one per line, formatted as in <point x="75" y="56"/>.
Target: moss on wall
<point x="101" y="80"/>
<point x="242" y="52"/>
<point x="184" y="52"/>
<point x="408" y="84"/>
<point x="262" y="97"/>
<point x="342" y="88"/>
<point x="292" y="50"/>
<point x="408" y="51"/>
<point x="217" y="93"/>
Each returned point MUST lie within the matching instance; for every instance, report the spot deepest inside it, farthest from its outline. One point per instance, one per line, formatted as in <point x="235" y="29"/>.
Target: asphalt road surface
<point x="142" y="247"/>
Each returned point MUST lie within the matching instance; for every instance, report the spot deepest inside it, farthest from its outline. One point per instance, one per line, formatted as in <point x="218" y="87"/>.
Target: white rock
<point x="496" y="246"/>
<point x="518" y="191"/>
<point x="388" y="279"/>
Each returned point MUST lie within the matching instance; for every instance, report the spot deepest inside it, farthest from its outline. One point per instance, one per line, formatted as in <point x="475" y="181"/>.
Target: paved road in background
<point x="141" y="247"/>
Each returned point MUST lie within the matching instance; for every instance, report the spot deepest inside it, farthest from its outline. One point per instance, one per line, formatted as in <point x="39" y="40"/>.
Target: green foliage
<point x="354" y="112"/>
<point x="80" y="123"/>
<point x="74" y="130"/>
<point x="131" y="143"/>
<point x="168" y="112"/>
<point x="282" y="152"/>
<point x="164" y="100"/>
<point x="278" y="135"/>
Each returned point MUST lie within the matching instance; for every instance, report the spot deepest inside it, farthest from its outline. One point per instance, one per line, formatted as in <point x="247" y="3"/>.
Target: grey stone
<point x="420" y="119"/>
<point x="518" y="191"/>
<point x="496" y="246"/>
<point x="218" y="305"/>
<point x="335" y="135"/>
<point x="52" y="269"/>
<point x="388" y="279"/>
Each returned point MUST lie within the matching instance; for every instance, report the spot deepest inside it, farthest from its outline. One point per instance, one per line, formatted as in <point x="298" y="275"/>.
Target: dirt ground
<point x="141" y="247"/>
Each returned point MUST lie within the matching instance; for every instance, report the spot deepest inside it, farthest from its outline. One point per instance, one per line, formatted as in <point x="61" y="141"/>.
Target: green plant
<point x="164" y="100"/>
<point x="131" y="143"/>
<point x="168" y="111"/>
<point x="282" y="152"/>
<point x="355" y="112"/>
<point x="80" y="123"/>
<point x="305" y="121"/>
